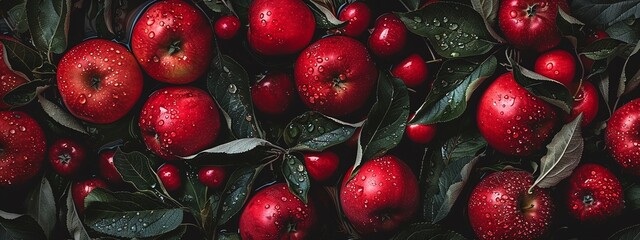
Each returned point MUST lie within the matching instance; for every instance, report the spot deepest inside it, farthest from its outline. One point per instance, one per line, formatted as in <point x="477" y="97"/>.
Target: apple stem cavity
<point x="174" y="47"/>
<point x="95" y="82"/>
<point x="588" y="199"/>
<point x="531" y="10"/>
<point x="64" y="158"/>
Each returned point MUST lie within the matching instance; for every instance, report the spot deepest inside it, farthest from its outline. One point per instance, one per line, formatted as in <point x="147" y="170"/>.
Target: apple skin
<point x="280" y="27"/>
<point x="212" y="176"/>
<point x="621" y="137"/>
<point x="531" y="24"/>
<point x="512" y="120"/>
<point x="170" y="177"/>
<point x="321" y="166"/>
<point x="412" y="70"/>
<point x="558" y="65"/>
<point x="274" y="213"/>
<point x="80" y="190"/>
<point x="335" y="75"/>
<point x="358" y="16"/>
<point x="10" y="79"/>
<point x="500" y="207"/>
<point x="273" y="94"/>
<point x="108" y="170"/>
<point x="585" y="102"/>
<point x="594" y="194"/>
<point x="22" y="148"/>
<point x="67" y="157"/>
<point x="227" y="27"/>
<point x="99" y="81"/>
<point x="389" y="36"/>
<point x="421" y="133"/>
<point x="179" y="121"/>
<point x="173" y="42"/>
<point x="382" y="196"/>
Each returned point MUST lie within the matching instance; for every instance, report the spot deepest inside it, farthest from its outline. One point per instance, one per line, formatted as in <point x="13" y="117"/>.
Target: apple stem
<point x="64" y="158"/>
<point x="531" y="10"/>
<point x="174" y="47"/>
<point x="95" y="82"/>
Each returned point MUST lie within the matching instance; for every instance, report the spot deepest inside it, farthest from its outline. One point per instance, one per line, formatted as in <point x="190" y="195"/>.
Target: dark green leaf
<point x="217" y="6"/>
<point x="604" y="48"/>
<point x="135" y="168"/>
<point x="462" y="146"/>
<point x="49" y="24"/>
<point x="297" y="177"/>
<point x="130" y="215"/>
<point x="237" y="191"/>
<point x="629" y="81"/>
<point x="453" y="87"/>
<point x="98" y="19"/>
<point x="488" y="9"/>
<point x="450" y="184"/>
<point x="626" y="31"/>
<point x="605" y="13"/>
<point x="41" y="205"/>
<point x="212" y="213"/>
<point x="455" y="30"/>
<point x="325" y="17"/>
<point x="547" y="89"/>
<point x="194" y="195"/>
<point x="229" y="236"/>
<point x="412" y="5"/>
<point x="241" y="7"/>
<point x="426" y="231"/>
<point x="629" y="233"/>
<point x="237" y="146"/>
<point x="60" y="116"/>
<point x="570" y="27"/>
<point x="244" y="151"/>
<point x="386" y="121"/>
<point x="313" y="131"/>
<point x="176" y="234"/>
<point x="18" y="227"/>
<point x="21" y="57"/>
<point x="228" y="83"/>
<point x="632" y="198"/>
<point x="16" y="15"/>
<point x="74" y="224"/>
<point x="25" y="93"/>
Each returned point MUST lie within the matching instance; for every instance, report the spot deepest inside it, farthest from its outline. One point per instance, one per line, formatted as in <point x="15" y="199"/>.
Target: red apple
<point x="531" y="24"/>
<point x="179" y="121"/>
<point x="280" y="27"/>
<point x="382" y="196"/>
<point x="273" y="93"/>
<point x="22" y="148"/>
<point x="622" y="138"/>
<point x="80" y="190"/>
<point x="226" y="27"/>
<point x="321" y="166"/>
<point x="512" y="120"/>
<point x="595" y="35"/>
<point x="170" y="177"/>
<point x="594" y="194"/>
<point x="412" y="70"/>
<point x="173" y="42"/>
<point x="212" y="176"/>
<point x="335" y="75"/>
<point x="67" y="157"/>
<point x="99" y="81"/>
<point x="358" y="16"/>
<point x="500" y="207"/>
<point x="389" y="36"/>
<point x="558" y="65"/>
<point x="421" y="133"/>
<point x="585" y="102"/>
<point x="108" y="170"/>
<point x="9" y="79"/>
<point x="274" y="213"/>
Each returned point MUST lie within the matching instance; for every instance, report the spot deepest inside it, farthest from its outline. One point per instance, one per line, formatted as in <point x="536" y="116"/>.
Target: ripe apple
<point x="585" y="102"/>
<point x="512" y="120"/>
<point x="170" y="177"/>
<point x="421" y="133"/>
<point x="321" y="166"/>
<point x="500" y="207"/>
<point x="558" y="65"/>
<point x="389" y="36"/>
<point x="67" y="157"/>
<point x="335" y="75"/>
<point x="22" y="148"/>
<point x="172" y="41"/>
<point x="594" y="194"/>
<point x="80" y="190"/>
<point x="273" y="93"/>
<point x="212" y="176"/>
<point x="531" y="24"/>
<point x="10" y="79"/>
<point x="280" y="27"/>
<point x="622" y="137"/>
<point x="226" y="27"/>
<point x="179" y="121"/>
<point x="275" y="213"/>
<point x="108" y="170"/>
<point x="358" y="16"/>
<point x="99" y="81"/>
<point x="382" y="196"/>
<point x="412" y="70"/>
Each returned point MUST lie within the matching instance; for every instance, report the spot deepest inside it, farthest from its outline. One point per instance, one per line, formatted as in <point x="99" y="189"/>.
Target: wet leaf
<point x="295" y="173"/>
<point x="237" y="192"/>
<point x="605" y="13"/>
<point x="412" y="5"/>
<point x="17" y="15"/>
<point x="627" y="31"/>
<point x="49" y="24"/>
<point x="426" y="231"/>
<point x="313" y="131"/>
<point x="135" y="168"/>
<point x="41" y="205"/>
<point x="194" y="195"/>
<point x="629" y="82"/>
<point x="75" y="227"/>
<point x="16" y="227"/>
<point x="549" y="90"/>
<point x="21" y="57"/>
<point x="25" y="93"/>
<point x="488" y="9"/>
<point x="60" y="116"/>
<point x="450" y="184"/>
<point x="604" y="48"/>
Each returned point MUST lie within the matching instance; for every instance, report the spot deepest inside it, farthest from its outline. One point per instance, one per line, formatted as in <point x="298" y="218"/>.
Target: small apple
<point x="412" y="70"/>
<point x="382" y="196"/>
<point x="389" y="36"/>
<point x="108" y="170"/>
<point x="335" y="75"/>
<point x="321" y="166"/>
<point x="22" y="148"/>
<point x="594" y="194"/>
<point x="558" y="65"/>
<point x="622" y="137"/>
<point x="10" y="79"/>
<point x="531" y="24"/>
<point x="273" y="93"/>
<point x="358" y="16"/>
<point x="99" y="81"/>
<point x="67" y="157"/>
<point x="173" y="42"/>
<point x="500" y="207"/>
<point x="512" y="120"/>
<point x="421" y="133"/>
<point x="212" y="176"/>
<point x="274" y="213"/>
<point x="179" y="121"/>
<point x="226" y="27"/>
<point x="80" y="190"/>
<point x="585" y="102"/>
<point x="170" y="177"/>
<point x="280" y="27"/>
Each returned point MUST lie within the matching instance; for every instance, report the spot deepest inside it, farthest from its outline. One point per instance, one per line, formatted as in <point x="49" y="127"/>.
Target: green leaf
<point x="462" y="146"/>
<point x="325" y="17"/>
<point x="549" y="90"/>
<point x="605" y="13"/>
<point x="21" y="58"/>
<point x="453" y="87"/>
<point x="135" y="168"/>
<point x="488" y="9"/>
<point x="296" y="176"/>
<point x="629" y="233"/>
<point x="228" y="83"/>
<point x="217" y="6"/>
<point x="25" y="93"/>
<point x="426" y="231"/>
<point x="629" y="82"/>
<point x="16" y="16"/>
<point x="61" y="116"/>
<point x="41" y="205"/>
<point x="237" y="146"/>
<point x="313" y="131"/>
<point x="450" y="184"/>
<point x="632" y="197"/>
<point x="241" y="8"/>
<point x="130" y="215"/>
<point x="455" y="30"/>
<point x="386" y="121"/>
<point x="570" y="27"/>
<point x="604" y="48"/>
<point x="16" y="227"/>
<point x="75" y="227"/>
<point x="176" y="234"/>
<point x="49" y="24"/>
<point x="229" y="236"/>
<point x="244" y="151"/>
<point x="627" y="31"/>
<point x="194" y="196"/>
<point x="213" y="204"/>
<point x="412" y="5"/>
<point x="237" y="191"/>
<point x="563" y="155"/>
